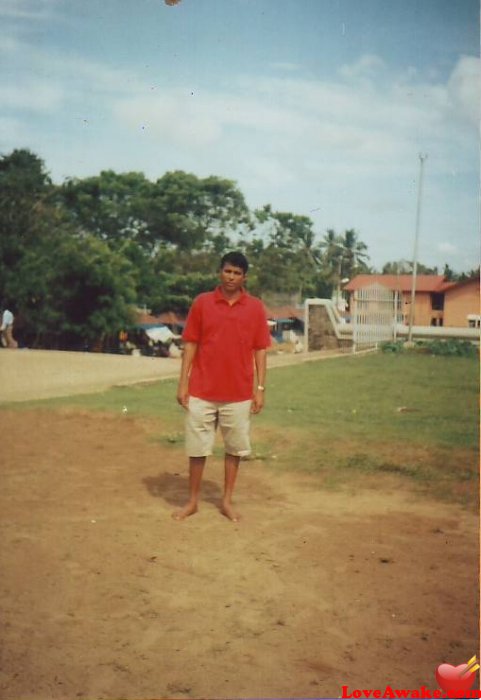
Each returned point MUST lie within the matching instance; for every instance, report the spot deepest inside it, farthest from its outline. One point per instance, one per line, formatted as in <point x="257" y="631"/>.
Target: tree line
<point x="77" y="258"/>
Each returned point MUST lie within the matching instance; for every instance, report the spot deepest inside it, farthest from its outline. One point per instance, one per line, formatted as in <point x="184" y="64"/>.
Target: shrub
<point x="448" y="348"/>
<point x="392" y="346"/>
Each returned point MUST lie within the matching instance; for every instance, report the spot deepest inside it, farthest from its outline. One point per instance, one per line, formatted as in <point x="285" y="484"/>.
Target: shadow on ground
<point x="174" y="489"/>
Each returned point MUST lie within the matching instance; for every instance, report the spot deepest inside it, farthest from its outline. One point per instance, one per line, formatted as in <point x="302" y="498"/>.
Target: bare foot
<point x="227" y="510"/>
<point x="184" y="513"/>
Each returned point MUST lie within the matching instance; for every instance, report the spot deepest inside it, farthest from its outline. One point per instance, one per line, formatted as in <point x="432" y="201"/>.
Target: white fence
<point x="374" y="314"/>
<point x="392" y="330"/>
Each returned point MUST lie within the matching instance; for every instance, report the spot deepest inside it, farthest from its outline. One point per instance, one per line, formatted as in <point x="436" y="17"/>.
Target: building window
<point x="437" y="302"/>
<point x="436" y="321"/>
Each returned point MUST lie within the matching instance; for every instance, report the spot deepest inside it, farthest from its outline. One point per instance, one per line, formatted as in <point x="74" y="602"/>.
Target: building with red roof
<point x="438" y="302"/>
<point x="461" y="303"/>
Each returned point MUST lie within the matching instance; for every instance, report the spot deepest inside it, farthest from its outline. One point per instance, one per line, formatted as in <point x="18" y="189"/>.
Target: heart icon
<point x="454" y="680"/>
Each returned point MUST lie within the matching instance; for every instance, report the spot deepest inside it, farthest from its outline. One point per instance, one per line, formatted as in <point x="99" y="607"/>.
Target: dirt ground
<point x="103" y="595"/>
<point x="40" y="374"/>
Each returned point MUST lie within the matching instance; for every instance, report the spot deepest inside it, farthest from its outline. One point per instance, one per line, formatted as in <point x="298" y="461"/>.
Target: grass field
<point x="353" y="421"/>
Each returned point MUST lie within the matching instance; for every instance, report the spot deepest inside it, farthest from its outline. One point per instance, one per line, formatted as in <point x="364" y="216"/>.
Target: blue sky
<point x="319" y="107"/>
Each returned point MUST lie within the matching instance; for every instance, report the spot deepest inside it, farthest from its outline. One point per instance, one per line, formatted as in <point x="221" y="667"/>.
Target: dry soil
<point x="103" y="595"/>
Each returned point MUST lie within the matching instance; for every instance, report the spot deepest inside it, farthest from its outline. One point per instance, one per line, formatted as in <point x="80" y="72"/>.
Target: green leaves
<point x="178" y="209"/>
<point x="85" y="295"/>
<point x="25" y="198"/>
<point x="77" y="257"/>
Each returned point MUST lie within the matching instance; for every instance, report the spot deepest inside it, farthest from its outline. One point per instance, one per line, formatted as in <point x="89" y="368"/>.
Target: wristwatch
<point x="260" y="387"/>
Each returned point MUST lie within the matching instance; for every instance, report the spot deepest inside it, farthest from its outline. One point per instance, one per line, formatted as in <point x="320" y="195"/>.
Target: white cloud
<point x="171" y="117"/>
<point x="464" y="88"/>
<point x="339" y="147"/>
<point x="27" y="9"/>
<point x="31" y="96"/>
<point x="262" y="171"/>
<point x="360" y="123"/>
<point x="8" y="44"/>
<point x="12" y="131"/>
<point x="448" y="248"/>
<point x="285" y="66"/>
<point x="205" y="118"/>
<point x="367" y="66"/>
<point x="89" y="76"/>
<point x="42" y="81"/>
<point x="294" y="141"/>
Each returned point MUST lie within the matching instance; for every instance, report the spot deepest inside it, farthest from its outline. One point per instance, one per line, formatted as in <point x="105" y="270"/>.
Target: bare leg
<point x="231" y="466"/>
<point x="196" y="469"/>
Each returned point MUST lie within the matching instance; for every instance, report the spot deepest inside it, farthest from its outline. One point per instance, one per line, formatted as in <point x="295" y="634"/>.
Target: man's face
<point x="232" y="278"/>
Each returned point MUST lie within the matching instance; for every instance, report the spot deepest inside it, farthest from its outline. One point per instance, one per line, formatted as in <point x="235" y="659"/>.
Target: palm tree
<point x="354" y="254"/>
<point x="343" y="256"/>
<point x="332" y="256"/>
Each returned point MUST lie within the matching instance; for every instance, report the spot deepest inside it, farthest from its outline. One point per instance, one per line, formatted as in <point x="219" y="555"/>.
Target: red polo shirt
<point x="227" y="335"/>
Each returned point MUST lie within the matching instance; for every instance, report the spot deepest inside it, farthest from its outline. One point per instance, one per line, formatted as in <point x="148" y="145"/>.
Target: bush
<point x="392" y="346"/>
<point x="451" y="348"/>
<point x="447" y="348"/>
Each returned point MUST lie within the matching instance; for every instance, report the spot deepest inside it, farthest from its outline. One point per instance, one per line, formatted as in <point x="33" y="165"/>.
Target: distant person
<point x="6" y="329"/>
<point x="226" y="334"/>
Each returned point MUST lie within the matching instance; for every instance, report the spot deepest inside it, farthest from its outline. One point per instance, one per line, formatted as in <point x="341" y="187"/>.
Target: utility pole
<point x="422" y="158"/>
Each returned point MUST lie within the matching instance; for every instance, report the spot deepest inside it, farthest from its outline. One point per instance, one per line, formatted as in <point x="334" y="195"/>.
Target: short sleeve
<point x="262" y="337"/>
<point x="192" y="331"/>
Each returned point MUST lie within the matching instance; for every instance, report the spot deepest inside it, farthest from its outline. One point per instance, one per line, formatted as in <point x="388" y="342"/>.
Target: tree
<point x="343" y="255"/>
<point x="26" y="209"/>
<point x="179" y="209"/>
<point x="192" y="213"/>
<point x="469" y="275"/>
<point x="331" y="246"/>
<point x="85" y="295"/>
<point x="177" y="291"/>
<point x="111" y="206"/>
<point x="405" y="267"/>
<point x="290" y="261"/>
<point x="448" y="273"/>
<point x="397" y="267"/>
<point x="354" y="254"/>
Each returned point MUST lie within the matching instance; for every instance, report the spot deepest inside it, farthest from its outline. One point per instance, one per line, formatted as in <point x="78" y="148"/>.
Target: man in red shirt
<point x="226" y="334"/>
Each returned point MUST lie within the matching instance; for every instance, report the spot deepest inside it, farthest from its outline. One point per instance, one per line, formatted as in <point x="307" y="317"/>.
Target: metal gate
<point x="374" y="315"/>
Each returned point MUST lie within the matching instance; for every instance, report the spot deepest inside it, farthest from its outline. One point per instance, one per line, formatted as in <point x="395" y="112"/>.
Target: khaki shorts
<point x="202" y="420"/>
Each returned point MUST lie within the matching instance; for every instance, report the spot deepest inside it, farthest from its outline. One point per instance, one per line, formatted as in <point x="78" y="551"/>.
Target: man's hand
<point x="257" y="402"/>
<point x="183" y="395"/>
<point x="183" y="386"/>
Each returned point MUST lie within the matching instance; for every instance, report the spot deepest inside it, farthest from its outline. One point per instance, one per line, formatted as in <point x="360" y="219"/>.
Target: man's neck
<point x="231" y="297"/>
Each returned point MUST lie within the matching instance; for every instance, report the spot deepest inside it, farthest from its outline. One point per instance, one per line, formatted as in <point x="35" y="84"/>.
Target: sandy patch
<point x="103" y="595"/>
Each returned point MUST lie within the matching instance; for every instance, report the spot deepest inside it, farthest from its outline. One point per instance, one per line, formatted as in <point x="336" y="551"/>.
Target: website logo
<point x="457" y="680"/>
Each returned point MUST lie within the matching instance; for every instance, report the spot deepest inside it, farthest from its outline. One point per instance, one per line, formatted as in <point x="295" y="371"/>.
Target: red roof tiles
<point x="167" y="317"/>
<point x="276" y="312"/>
<point x="401" y="283"/>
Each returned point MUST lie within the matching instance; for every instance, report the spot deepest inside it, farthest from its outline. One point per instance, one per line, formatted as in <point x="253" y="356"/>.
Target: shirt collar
<point x="219" y="297"/>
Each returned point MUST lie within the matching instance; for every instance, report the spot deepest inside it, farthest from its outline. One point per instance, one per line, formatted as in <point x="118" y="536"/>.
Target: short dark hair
<point x="237" y="259"/>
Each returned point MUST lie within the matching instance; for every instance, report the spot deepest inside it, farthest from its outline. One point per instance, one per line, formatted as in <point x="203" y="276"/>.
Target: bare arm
<point x="260" y="359"/>
<point x="183" y="387"/>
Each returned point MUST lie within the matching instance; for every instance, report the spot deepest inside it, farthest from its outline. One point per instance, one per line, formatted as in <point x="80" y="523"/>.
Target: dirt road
<point x="40" y="374"/>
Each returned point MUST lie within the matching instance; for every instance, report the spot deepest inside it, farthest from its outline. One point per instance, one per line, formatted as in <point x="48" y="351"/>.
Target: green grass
<point x="350" y="420"/>
<point x="144" y="399"/>
<point x="362" y="397"/>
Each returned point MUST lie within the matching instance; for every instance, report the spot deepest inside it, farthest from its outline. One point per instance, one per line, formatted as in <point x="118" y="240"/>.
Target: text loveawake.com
<point x="453" y="682"/>
<point x="422" y="692"/>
